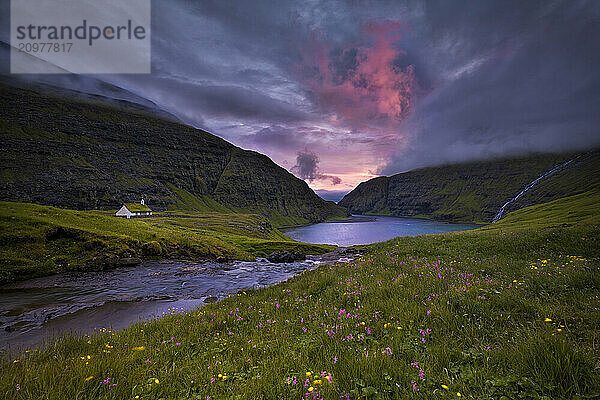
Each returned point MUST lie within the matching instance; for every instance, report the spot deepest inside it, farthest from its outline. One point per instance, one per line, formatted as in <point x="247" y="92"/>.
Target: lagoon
<point x="366" y="229"/>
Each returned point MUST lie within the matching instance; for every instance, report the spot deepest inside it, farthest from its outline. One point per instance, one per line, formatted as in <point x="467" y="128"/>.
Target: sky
<point x="338" y="92"/>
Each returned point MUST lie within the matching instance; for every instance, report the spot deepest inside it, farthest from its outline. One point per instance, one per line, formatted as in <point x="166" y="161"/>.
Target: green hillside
<point x="84" y="155"/>
<point x="474" y="191"/>
<point x="39" y="240"/>
<point x="507" y="311"/>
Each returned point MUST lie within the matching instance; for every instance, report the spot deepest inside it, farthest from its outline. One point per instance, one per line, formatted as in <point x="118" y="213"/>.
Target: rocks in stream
<point x="340" y="254"/>
<point x="284" y="256"/>
<point x="129" y="261"/>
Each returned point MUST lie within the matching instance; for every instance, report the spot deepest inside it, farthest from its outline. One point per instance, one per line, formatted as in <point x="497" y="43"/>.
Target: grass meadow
<point x="508" y="311"/>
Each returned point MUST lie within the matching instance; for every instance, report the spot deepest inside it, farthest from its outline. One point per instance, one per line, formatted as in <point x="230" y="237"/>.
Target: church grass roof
<point x="137" y="207"/>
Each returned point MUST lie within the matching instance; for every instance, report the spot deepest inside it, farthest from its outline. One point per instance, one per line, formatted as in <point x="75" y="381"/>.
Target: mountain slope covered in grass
<point x="510" y="310"/>
<point x="474" y="191"/>
<point x="72" y="153"/>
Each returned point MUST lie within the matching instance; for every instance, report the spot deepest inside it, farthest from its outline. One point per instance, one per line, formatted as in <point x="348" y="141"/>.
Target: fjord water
<point x="363" y="229"/>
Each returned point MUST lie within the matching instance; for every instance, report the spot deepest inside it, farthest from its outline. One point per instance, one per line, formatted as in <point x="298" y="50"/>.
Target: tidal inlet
<point x="283" y="200"/>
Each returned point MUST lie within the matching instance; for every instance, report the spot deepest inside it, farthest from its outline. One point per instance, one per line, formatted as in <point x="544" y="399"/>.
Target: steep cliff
<point x="74" y="153"/>
<point x="475" y="191"/>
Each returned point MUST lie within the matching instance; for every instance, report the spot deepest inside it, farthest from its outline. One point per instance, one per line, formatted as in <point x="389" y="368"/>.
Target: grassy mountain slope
<point x="39" y="240"/>
<point x="75" y="154"/>
<point x="510" y="310"/>
<point x="474" y="191"/>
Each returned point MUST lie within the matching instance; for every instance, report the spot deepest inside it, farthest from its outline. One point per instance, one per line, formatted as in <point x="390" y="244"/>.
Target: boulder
<point x="284" y="256"/>
<point x="129" y="261"/>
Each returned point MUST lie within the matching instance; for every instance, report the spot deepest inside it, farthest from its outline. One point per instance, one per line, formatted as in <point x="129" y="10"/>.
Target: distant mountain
<point x="88" y="152"/>
<point x="475" y="191"/>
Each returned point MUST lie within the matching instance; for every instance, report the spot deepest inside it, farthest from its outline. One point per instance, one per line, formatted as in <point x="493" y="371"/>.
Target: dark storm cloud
<point x="522" y="77"/>
<point x="307" y="167"/>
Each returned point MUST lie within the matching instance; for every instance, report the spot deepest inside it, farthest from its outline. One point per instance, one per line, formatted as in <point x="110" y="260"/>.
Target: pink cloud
<point x="360" y="84"/>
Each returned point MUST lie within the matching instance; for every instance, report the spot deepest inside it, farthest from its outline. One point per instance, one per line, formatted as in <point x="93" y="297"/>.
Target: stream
<point x="36" y="310"/>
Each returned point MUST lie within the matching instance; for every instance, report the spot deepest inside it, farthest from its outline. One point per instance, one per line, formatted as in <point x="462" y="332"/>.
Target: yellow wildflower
<point x="458" y="394"/>
<point x="89" y="378"/>
<point x="308" y="374"/>
<point x="310" y="389"/>
<point x="547" y="320"/>
<point x="140" y="348"/>
<point x="445" y="387"/>
<point x="317" y="382"/>
<point x="156" y="381"/>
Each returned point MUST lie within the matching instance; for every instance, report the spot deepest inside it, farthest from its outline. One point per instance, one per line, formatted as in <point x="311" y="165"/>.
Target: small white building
<point x="134" y="210"/>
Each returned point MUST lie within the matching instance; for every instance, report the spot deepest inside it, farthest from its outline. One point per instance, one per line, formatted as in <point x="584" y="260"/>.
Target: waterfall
<point x="531" y="184"/>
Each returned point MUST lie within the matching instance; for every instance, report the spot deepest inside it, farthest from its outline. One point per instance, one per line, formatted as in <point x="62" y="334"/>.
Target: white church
<point x="130" y="210"/>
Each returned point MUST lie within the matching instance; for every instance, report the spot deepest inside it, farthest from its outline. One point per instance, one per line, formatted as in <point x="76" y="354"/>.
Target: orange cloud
<point x="363" y="84"/>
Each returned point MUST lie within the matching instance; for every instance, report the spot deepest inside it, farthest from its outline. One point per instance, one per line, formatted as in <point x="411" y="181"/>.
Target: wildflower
<point x="156" y="381"/>
<point x="308" y="374"/>
<point x="140" y="348"/>
<point x="547" y="320"/>
<point x="445" y="387"/>
<point x="458" y="394"/>
<point x="317" y="382"/>
<point x="310" y="389"/>
<point x="89" y="378"/>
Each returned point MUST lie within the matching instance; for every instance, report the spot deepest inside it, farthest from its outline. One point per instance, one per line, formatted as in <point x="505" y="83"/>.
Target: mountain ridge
<point x="474" y="191"/>
<point x="80" y="154"/>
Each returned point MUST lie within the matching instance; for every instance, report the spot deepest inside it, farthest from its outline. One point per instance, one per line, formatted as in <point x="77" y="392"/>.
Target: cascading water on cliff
<point x="546" y="174"/>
